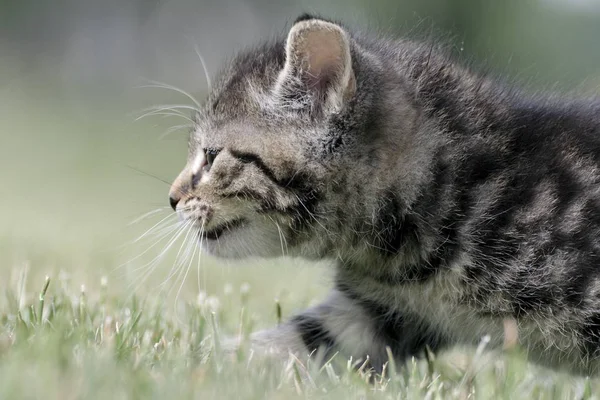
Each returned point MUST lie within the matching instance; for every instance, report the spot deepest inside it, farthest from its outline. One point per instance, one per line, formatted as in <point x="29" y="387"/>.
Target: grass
<point x="65" y="342"/>
<point x="83" y="332"/>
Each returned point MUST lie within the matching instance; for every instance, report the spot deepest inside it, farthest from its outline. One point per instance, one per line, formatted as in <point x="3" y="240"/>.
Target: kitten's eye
<point x="210" y="155"/>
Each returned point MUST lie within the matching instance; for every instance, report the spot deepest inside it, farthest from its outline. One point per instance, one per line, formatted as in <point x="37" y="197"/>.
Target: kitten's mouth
<point x="216" y="232"/>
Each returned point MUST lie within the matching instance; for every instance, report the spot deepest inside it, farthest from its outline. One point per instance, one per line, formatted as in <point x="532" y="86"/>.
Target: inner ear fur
<point x="318" y="58"/>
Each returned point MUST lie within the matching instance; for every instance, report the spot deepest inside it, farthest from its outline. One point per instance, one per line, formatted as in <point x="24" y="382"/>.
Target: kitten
<point x="449" y="203"/>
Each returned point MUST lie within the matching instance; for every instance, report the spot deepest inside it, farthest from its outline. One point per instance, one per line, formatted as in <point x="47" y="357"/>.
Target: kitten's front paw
<point x="280" y="344"/>
<point x="280" y="341"/>
<point x="269" y="344"/>
<point x="230" y="346"/>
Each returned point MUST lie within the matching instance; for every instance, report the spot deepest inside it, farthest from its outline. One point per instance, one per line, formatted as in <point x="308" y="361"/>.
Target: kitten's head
<point x="259" y="172"/>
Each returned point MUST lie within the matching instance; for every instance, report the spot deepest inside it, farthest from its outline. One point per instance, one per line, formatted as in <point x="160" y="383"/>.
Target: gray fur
<point x="448" y="202"/>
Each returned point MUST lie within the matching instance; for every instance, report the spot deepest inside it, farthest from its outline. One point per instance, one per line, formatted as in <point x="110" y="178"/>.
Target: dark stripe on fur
<point x="298" y="181"/>
<point x="303" y="212"/>
<point x="314" y="335"/>
<point x="394" y="229"/>
<point x="250" y="158"/>
<point x="406" y="335"/>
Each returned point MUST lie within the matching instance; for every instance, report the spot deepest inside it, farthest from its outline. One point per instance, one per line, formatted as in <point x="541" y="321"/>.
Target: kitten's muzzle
<point x="194" y="208"/>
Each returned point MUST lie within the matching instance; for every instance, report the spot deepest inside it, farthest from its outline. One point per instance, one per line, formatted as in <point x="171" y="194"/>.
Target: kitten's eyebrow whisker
<point x="167" y="109"/>
<point x="170" y="107"/>
<point x="206" y="74"/>
<point x="204" y="68"/>
<point x="165" y="114"/>
<point x="161" y="85"/>
<point x="174" y="129"/>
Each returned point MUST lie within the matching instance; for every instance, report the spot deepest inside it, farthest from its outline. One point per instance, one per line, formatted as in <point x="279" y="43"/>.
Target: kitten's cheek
<point x="255" y="240"/>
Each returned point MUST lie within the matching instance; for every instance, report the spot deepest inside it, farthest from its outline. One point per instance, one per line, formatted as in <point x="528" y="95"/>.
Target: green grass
<point x="85" y="333"/>
<point x="63" y="342"/>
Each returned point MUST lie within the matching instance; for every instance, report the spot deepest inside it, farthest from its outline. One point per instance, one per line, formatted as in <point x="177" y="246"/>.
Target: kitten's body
<point x="448" y="202"/>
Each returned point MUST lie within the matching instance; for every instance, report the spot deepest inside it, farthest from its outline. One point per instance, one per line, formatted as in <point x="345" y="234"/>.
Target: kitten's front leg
<point x="345" y="325"/>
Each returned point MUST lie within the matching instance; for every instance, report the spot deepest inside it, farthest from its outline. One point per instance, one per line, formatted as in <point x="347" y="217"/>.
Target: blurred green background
<point x="70" y="146"/>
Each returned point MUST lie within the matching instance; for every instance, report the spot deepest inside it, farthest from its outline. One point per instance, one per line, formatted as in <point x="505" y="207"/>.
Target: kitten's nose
<point x="173" y="201"/>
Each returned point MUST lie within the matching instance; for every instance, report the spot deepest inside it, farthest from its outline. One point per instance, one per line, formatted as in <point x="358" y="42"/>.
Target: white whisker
<point x="171" y="109"/>
<point x="204" y="68"/>
<point x="206" y="74"/>
<point x="174" y="129"/>
<point x="146" y="215"/>
<point x="163" y="231"/>
<point x="153" y="227"/>
<point x="178" y="261"/>
<point x="195" y="247"/>
<point x="201" y="235"/>
<point x="163" y="236"/>
<point x="149" y="267"/>
<point x="165" y="114"/>
<point x="161" y="85"/>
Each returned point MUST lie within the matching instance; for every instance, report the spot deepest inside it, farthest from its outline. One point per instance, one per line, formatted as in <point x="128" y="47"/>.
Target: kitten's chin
<point x="245" y="241"/>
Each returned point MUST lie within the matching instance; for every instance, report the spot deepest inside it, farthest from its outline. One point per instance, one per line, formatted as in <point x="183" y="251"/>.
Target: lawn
<point x="87" y="312"/>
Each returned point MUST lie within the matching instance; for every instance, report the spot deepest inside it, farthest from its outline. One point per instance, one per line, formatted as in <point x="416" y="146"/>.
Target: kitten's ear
<point x="318" y="62"/>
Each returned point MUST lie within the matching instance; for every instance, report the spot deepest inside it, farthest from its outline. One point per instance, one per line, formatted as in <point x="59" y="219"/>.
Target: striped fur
<point x="448" y="201"/>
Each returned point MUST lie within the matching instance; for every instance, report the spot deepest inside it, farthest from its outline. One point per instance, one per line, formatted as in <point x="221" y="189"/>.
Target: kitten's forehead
<point x="242" y="110"/>
<point x="244" y="85"/>
<point x="245" y="109"/>
<point x="250" y="135"/>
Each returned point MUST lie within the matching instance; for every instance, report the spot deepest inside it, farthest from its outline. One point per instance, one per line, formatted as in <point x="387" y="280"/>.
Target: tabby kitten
<point x="448" y="202"/>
